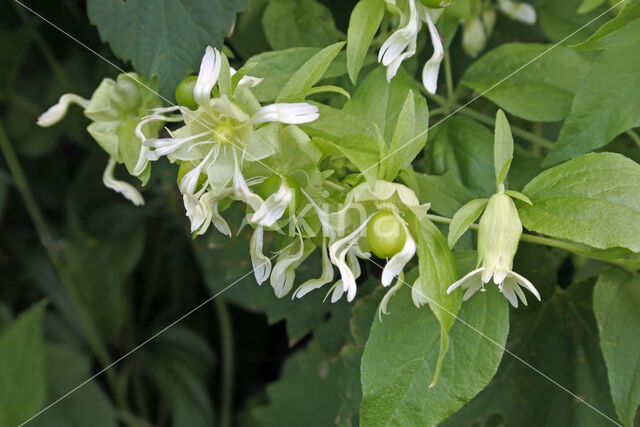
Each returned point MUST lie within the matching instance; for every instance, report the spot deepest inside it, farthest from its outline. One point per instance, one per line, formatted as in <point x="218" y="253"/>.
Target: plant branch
<point x="577" y="248"/>
<point x="226" y="337"/>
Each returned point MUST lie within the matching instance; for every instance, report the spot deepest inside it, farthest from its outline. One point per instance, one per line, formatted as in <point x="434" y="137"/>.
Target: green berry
<point x="385" y="234"/>
<point x="184" y="92"/>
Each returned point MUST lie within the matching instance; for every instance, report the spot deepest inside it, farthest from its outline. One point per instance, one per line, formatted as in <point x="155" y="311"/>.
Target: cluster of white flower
<point x="231" y="148"/>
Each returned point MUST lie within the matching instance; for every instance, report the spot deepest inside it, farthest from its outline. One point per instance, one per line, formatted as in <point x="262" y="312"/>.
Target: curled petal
<point x="273" y="208"/>
<point x="124" y="188"/>
<point x="57" y="111"/>
<point x="325" y="277"/>
<point x="290" y="113"/>
<point x="462" y="282"/>
<point x="283" y="273"/>
<point x="242" y="191"/>
<point x="385" y="300"/>
<point x="432" y="67"/>
<point x="261" y="264"/>
<point x="207" y="77"/>
<point x="522" y="281"/>
<point x="398" y="261"/>
<point x="396" y="44"/>
<point x="246" y="81"/>
<point x="338" y="252"/>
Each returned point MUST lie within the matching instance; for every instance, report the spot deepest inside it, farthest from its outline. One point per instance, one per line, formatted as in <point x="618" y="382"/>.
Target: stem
<point x="483" y="118"/>
<point x="634" y="136"/>
<point x="48" y="242"/>
<point x="526" y="135"/>
<point x="226" y="389"/>
<point x="547" y="241"/>
<point x="448" y="75"/>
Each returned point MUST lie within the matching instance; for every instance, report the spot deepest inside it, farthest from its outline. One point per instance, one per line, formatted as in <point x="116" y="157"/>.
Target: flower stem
<point x="488" y="120"/>
<point x="579" y="249"/>
<point x="634" y="136"/>
<point x="448" y="75"/>
<point x="226" y="337"/>
<point x="48" y="242"/>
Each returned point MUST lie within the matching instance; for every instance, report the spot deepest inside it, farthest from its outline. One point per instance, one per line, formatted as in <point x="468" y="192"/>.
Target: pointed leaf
<point x="363" y="25"/>
<point x="463" y="219"/>
<point x="503" y="147"/>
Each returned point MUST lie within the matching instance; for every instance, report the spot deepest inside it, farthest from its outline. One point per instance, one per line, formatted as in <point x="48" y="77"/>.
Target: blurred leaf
<point x="593" y="199"/>
<point x="66" y="369"/>
<point x="559" y="339"/>
<point x="401" y="354"/>
<point x="179" y="361"/>
<point x="622" y="30"/>
<point x="248" y="36"/>
<point x="533" y="81"/>
<point x="22" y="367"/>
<point x="464" y="148"/>
<point x="615" y="302"/>
<point x="445" y="193"/>
<point x="167" y="38"/>
<point x="561" y="19"/>
<point x="306" y="393"/>
<point x="604" y="106"/>
<point x="292" y="23"/>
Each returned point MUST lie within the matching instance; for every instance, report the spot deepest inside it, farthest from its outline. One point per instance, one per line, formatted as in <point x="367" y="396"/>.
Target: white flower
<point x="124" y="188"/>
<point x="325" y="277"/>
<point x="246" y="81"/>
<point x="56" y="112"/>
<point x="397" y="262"/>
<point x="283" y="274"/>
<point x="498" y="236"/>
<point x="519" y="11"/>
<point x="402" y="43"/>
<point x="202" y="211"/>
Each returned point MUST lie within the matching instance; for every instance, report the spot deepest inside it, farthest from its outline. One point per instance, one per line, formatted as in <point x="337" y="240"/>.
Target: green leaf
<point x="463" y="219"/>
<point x="557" y="337"/>
<point x="562" y="23"/>
<point x="404" y="146"/>
<point x="589" y="5"/>
<point x="519" y="196"/>
<point x="309" y="384"/>
<point x="276" y="68"/>
<point x="503" y="148"/>
<point x="179" y="361"/>
<point x="66" y="368"/>
<point x="437" y="269"/>
<point x="445" y="193"/>
<point x="616" y="300"/>
<point x="621" y="30"/>
<point x="593" y="199"/>
<point x="605" y="105"/>
<point x="401" y="355"/>
<point x="308" y="74"/>
<point x="166" y="37"/>
<point x="348" y="135"/>
<point x="534" y="81"/>
<point x="292" y="23"/>
<point x="464" y="148"/>
<point x="363" y="25"/>
<point x="22" y="370"/>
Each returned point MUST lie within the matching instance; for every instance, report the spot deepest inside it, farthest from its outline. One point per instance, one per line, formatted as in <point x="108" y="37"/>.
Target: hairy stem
<point x="48" y="242"/>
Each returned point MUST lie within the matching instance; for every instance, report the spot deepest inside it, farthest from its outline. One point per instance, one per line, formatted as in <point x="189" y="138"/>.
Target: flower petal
<point x="522" y="12"/>
<point x="398" y="261"/>
<point x="464" y="279"/>
<point x="124" y="188"/>
<point x="207" y="77"/>
<point x="261" y="264"/>
<point x="273" y="208"/>
<point x="522" y="281"/>
<point x="432" y="67"/>
<point x="283" y="273"/>
<point x="290" y="113"/>
<point x="56" y="112"/>
<point x="325" y="277"/>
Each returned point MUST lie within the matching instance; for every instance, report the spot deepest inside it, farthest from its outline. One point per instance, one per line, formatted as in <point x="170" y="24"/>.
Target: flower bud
<point x="498" y="237"/>
<point x="474" y="38"/>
